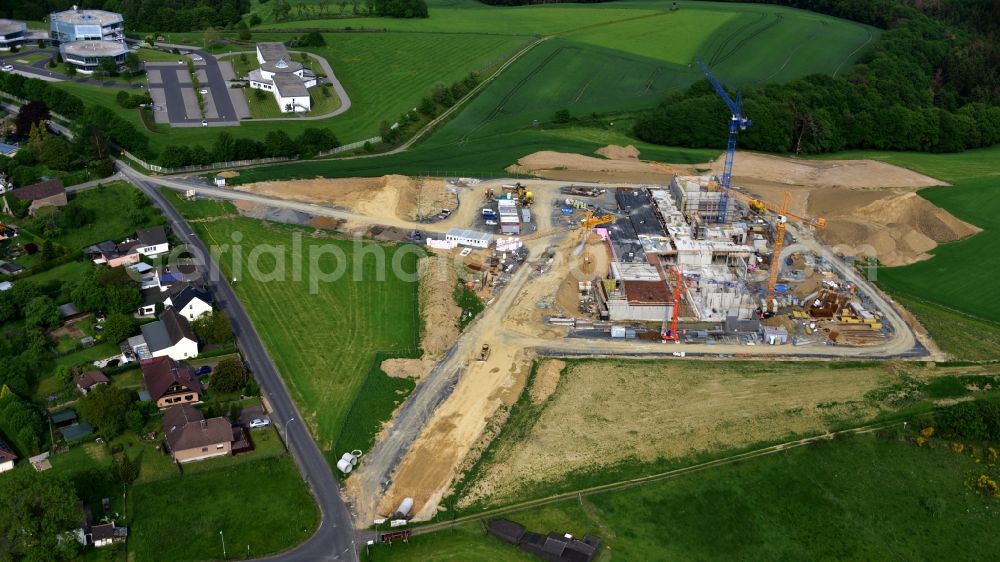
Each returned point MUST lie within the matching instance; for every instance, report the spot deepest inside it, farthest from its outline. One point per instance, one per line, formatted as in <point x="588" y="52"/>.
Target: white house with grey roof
<point x="285" y="78"/>
<point x="190" y="302"/>
<point x="170" y="336"/>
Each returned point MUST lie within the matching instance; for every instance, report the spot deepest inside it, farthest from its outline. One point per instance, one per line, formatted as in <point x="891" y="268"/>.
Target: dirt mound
<point x="391" y="197"/>
<point x="546" y="380"/>
<point x="408" y="368"/>
<point x="438" y="278"/>
<point x="617" y="152"/>
<point x="577" y="167"/>
<point x="851" y="174"/>
<point x="898" y="229"/>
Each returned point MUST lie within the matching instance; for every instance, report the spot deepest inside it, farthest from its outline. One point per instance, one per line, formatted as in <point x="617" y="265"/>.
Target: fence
<point x="204" y="167"/>
<point x="351" y="146"/>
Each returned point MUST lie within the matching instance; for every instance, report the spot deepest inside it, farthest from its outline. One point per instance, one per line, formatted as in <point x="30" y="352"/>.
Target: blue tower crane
<point x="737" y="123"/>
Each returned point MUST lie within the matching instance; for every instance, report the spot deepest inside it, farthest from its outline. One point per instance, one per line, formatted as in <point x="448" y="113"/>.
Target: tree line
<point x="227" y="148"/>
<point x="143" y="15"/>
<point x="930" y="83"/>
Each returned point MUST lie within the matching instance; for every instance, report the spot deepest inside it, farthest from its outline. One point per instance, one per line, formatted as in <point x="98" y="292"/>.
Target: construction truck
<point x="524" y="197"/>
<point x="484" y="353"/>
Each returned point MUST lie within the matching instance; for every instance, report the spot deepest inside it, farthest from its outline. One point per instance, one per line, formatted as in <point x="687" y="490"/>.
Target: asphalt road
<point x="335" y="539"/>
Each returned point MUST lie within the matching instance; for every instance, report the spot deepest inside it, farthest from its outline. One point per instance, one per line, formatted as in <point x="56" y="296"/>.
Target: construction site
<point x="613" y="256"/>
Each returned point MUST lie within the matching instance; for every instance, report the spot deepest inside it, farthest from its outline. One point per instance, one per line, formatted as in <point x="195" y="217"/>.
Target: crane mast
<point x="737" y="122"/>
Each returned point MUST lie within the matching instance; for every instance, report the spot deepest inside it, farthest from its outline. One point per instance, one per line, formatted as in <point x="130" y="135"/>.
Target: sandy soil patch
<point x="621" y="164"/>
<point x="546" y="380"/>
<point x="438" y="453"/>
<point x="618" y="152"/>
<point x="610" y="412"/>
<point x="438" y="278"/>
<point x="846" y="174"/>
<point x="229" y="174"/>
<point x="391" y="197"/>
<point x="408" y="368"/>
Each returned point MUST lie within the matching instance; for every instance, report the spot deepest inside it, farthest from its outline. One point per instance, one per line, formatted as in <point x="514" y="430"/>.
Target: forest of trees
<point x="143" y="15"/>
<point x="931" y="83"/>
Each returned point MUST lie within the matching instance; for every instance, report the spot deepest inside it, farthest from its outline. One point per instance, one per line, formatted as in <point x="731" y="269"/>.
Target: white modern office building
<point x="87" y="55"/>
<point x="86" y="25"/>
<point x="12" y="34"/>
<point x="286" y="79"/>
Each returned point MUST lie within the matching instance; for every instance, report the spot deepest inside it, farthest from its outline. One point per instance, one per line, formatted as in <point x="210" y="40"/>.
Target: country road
<point x="335" y="538"/>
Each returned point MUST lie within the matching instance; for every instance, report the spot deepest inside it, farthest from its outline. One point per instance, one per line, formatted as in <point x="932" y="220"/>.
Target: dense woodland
<point x="141" y="15"/>
<point x="931" y="83"/>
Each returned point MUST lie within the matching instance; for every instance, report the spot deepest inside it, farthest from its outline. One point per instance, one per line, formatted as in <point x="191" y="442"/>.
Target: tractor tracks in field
<point x="634" y="482"/>
<point x="719" y="57"/>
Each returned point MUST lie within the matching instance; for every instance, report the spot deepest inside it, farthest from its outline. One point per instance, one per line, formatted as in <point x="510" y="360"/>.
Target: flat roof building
<point x="87" y="55"/>
<point x="289" y="81"/>
<point x="470" y="238"/>
<point x="86" y="25"/>
<point x="12" y="34"/>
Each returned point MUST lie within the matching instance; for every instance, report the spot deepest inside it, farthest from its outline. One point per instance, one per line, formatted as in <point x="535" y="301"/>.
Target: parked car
<point x="203" y="370"/>
<point x="7" y="67"/>
<point x="203" y="90"/>
<point x="259" y="422"/>
<point x="204" y="123"/>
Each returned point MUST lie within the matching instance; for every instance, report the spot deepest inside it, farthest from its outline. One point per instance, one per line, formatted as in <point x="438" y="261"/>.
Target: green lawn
<point x="199" y="208"/>
<point x="858" y="498"/>
<point x="325" y="338"/>
<point x="262" y="504"/>
<point x="60" y="272"/>
<point x="155" y="55"/>
<point x="112" y="206"/>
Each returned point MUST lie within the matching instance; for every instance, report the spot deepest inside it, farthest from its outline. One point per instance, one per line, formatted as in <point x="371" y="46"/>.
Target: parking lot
<point x="175" y="101"/>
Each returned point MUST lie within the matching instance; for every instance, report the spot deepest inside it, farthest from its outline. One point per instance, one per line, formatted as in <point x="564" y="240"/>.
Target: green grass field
<point x="325" y="340"/>
<point x="112" y="204"/>
<point x="858" y="498"/>
<point x="262" y="504"/>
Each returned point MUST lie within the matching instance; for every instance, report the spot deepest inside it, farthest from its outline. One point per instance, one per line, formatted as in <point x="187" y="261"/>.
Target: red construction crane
<point x="673" y="334"/>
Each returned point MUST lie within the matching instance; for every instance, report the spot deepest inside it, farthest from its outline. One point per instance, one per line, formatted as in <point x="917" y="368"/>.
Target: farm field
<point x="825" y="501"/>
<point x="326" y="341"/>
<point x="656" y="414"/>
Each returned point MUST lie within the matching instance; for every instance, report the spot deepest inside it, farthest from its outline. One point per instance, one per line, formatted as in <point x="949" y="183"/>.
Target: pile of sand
<point x="438" y="278"/>
<point x="390" y="197"/>
<point x="851" y="174"/>
<point x="898" y="229"/>
<point x="617" y="152"/>
<point x="621" y="164"/>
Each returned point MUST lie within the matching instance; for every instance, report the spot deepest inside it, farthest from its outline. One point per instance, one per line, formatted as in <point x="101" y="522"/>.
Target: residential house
<point x="191" y="437"/>
<point x="69" y="313"/>
<point x="107" y="534"/>
<point x="170" y="336"/>
<point x="98" y="536"/>
<point x="7" y="457"/>
<point x="10" y="268"/>
<point x="49" y="193"/>
<point x="170" y="382"/>
<point x="113" y="255"/>
<point x="190" y="302"/>
<point x="152" y="242"/>
<point x="89" y="380"/>
<point x="150" y="299"/>
<point x="163" y="278"/>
